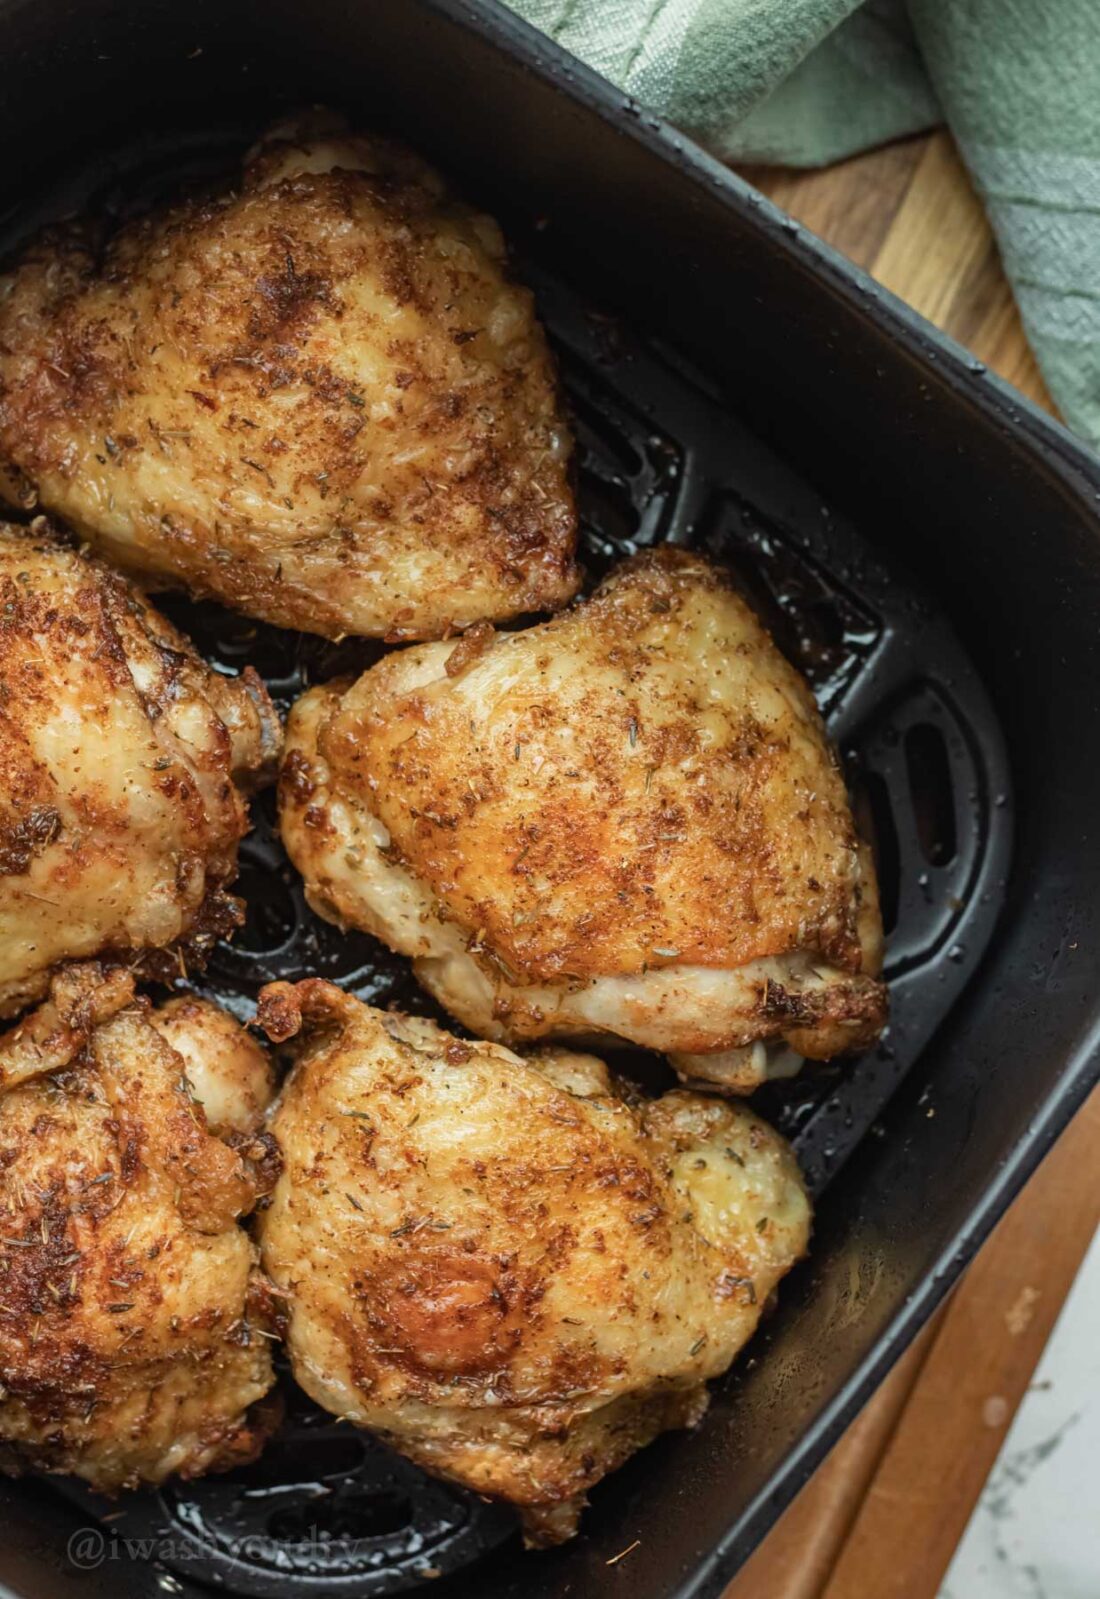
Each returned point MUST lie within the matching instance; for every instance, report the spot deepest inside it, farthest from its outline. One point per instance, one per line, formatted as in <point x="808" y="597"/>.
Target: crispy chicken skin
<point x="623" y="823"/>
<point x="129" y="1294"/>
<point x="502" y="1267"/>
<point x="121" y="756"/>
<point x="317" y="397"/>
<point x="228" y="1072"/>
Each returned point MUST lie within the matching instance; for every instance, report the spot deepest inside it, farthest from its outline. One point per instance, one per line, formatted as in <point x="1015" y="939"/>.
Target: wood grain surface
<point x="883" y="1515"/>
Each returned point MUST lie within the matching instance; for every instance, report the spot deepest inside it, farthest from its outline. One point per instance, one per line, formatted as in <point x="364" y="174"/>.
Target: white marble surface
<point x="1036" y="1531"/>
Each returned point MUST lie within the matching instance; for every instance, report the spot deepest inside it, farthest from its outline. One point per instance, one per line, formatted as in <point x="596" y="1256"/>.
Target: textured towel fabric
<point x="805" y="82"/>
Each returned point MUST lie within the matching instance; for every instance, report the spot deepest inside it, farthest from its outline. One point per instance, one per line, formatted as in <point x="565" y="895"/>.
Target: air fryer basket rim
<point x="1046" y="445"/>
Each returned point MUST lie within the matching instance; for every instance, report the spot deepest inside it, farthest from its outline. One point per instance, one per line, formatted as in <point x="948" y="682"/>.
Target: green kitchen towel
<point x="805" y="82"/>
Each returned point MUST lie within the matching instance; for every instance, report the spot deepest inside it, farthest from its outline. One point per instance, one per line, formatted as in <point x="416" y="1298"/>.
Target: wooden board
<point x="883" y="1515"/>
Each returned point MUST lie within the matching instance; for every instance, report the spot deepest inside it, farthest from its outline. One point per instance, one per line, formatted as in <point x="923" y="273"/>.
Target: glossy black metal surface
<point x="899" y="519"/>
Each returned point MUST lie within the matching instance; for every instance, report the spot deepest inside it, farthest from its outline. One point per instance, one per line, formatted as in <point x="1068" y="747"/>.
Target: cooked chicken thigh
<point x="502" y="1267"/>
<point x="318" y="398"/>
<point x="624" y="823"/>
<point x="129" y="1296"/>
<point x="120" y="756"/>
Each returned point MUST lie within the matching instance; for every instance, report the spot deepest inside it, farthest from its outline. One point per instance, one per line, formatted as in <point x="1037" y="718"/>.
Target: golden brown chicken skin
<point x="227" y="1071"/>
<point x="131" y="1310"/>
<point x="122" y="763"/>
<point x="502" y="1267"/>
<point x="624" y="823"/>
<point x="317" y="397"/>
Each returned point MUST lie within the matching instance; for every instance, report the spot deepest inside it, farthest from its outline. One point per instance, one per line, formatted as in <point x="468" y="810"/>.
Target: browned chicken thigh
<point x="317" y="397"/>
<point x="625" y="823"/>
<point x="122" y="759"/>
<point x="131" y="1312"/>
<point x="503" y="1267"/>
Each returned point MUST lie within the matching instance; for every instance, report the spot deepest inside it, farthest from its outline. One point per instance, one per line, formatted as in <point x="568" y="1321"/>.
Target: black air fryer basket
<point x="925" y="547"/>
